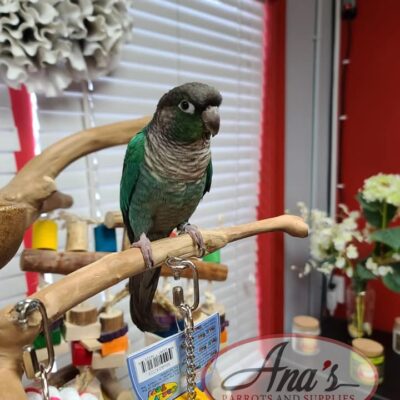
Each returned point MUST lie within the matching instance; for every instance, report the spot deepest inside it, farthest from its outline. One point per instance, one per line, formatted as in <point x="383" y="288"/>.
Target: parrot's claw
<point x="144" y="245"/>
<point x="196" y="236"/>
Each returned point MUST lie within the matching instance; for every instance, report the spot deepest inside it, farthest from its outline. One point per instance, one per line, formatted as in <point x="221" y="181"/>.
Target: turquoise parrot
<point x="167" y="171"/>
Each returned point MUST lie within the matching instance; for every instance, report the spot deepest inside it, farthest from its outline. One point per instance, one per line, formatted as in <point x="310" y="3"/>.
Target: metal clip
<point x="34" y="369"/>
<point x="177" y="265"/>
<point x="30" y="362"/>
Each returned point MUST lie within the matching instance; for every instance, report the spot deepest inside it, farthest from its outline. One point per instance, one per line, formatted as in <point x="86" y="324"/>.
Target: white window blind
<point x="215" y="42"/>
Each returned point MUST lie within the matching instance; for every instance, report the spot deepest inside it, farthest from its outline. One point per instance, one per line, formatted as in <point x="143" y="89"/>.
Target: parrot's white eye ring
<point x="186" y="106"/>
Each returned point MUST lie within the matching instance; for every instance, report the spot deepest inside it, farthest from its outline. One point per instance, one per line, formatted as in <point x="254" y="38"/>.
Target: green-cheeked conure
<point x="167" y="170"/>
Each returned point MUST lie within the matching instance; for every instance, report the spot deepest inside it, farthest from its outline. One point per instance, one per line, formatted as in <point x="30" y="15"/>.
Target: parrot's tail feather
<point x="142" y="289"/>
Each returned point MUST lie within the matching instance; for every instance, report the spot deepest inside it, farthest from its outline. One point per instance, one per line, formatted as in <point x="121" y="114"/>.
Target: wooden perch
<point x="33" y="190"/>
<point x="47" y="261"/>
<point x="84" y="283"/>
<point x="207" y="270"/>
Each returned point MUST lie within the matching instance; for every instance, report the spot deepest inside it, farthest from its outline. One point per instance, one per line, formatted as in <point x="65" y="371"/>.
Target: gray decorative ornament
<point x="47" y="44"/>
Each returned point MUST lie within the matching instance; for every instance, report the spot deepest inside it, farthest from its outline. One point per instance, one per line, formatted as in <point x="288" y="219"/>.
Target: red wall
<point x="270" y="266"/>
<point x="370" y="141"/>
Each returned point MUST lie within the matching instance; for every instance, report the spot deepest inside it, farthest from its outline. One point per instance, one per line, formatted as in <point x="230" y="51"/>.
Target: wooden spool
<point x="44" y="235"/>
<point x="77" y="236"/>
<point x="105" y="239"/>
<point x="111" y="321"/>
<point x="82" y="315"/>
<point x="113" y="219"/>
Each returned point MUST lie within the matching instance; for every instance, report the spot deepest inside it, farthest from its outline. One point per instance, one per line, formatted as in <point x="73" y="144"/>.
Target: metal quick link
<point x="32" y="367"/>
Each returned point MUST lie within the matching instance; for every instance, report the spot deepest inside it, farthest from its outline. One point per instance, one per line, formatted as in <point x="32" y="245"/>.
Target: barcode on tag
<point x="157" y="361"/>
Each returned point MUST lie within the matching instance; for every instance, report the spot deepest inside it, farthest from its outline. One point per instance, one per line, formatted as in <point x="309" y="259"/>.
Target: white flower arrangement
<point x="47" y="44"/>
<point x="334" y="243"/>
<point x="331" y="242"/>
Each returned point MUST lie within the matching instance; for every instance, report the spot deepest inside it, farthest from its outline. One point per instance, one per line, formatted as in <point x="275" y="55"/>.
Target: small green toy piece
<point x="214" y="257"/>
<point x="40" y="341"/>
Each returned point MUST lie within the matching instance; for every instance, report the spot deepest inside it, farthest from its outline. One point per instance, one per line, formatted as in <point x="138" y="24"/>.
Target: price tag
<point x="158" y="371"/>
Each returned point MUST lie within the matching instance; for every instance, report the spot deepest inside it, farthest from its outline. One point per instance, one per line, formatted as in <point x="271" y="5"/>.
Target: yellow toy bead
<point x="199" y="395"/>
<point x="44" y="235"/>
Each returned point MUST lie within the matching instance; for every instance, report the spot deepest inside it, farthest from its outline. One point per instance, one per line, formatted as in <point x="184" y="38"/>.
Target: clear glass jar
<point x="360" y="306"/>
<point x="308" y="329"/>
<point x="374" y="351"/>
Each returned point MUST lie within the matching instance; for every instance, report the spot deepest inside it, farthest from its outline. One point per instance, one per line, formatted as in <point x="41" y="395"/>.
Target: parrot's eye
<point x="186" y="107"/>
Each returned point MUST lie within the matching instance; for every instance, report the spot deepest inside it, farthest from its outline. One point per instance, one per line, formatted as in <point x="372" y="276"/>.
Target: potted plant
<point x="336" y="244"/>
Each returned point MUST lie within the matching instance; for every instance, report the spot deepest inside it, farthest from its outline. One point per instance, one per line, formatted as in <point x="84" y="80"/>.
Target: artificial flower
<point x="382" y="188"/>
<point x="340" y="262"/>
<point x="349" y="272"/>
<point x="352" y="252"/>
<point x="383" y="270"/>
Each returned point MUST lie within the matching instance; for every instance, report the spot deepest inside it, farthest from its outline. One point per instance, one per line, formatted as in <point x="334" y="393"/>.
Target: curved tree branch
<point x="33" y="190"/>
<point x="109" y="270"/>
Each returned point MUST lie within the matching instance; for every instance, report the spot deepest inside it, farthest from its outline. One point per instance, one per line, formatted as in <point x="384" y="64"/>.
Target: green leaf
<point x="373" y="211"/>
<point x="366" y="205"/>
<point x="392" y="281"/>
<point x="390" y="237"/>
<point x="364" y="273"/>
<point x="373" y="218"/>
<point x="391" y="212"/>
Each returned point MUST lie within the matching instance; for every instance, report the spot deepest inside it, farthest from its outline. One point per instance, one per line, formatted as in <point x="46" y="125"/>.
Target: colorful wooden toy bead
<point x="80" y="356"/>
<point x="44" y="235"/>
<point x="115" y="346"/>
<point x="108" y="336"/>
<point x="105" y="239"/>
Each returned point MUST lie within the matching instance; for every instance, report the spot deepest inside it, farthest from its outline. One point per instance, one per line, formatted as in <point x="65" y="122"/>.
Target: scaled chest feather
<point x="169" y="202"/>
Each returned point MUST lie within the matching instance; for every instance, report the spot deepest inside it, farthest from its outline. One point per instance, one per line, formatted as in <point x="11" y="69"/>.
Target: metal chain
<point x="44" y="382"/>
<point x="177" y="265"/>
<point x="189" y="349"/>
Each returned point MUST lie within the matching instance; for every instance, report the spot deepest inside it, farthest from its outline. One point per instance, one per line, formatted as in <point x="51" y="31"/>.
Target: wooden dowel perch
<point x="33" y="190"/>
<point x="84" y="283"/>
<point x="47" y="261"/>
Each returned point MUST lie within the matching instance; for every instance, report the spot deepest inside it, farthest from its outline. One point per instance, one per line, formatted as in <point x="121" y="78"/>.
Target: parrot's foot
<point x="196" y="236"/>
<point x="144" y="245"/>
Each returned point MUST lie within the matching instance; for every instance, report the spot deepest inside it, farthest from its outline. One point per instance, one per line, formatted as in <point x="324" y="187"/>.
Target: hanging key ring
<point x="26" y="307"/>
<point x="177" y="265"/>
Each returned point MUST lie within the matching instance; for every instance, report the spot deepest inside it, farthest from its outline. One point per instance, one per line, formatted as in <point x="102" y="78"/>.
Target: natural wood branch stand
<point x="103" y="273"/>
<point x="33" y="190"/>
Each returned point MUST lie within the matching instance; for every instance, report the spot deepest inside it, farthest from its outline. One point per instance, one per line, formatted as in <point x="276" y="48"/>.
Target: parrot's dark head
<point x="189" y="112"/>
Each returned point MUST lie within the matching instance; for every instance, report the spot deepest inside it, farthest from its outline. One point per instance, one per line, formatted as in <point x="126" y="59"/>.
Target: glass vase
<point x="360" y="305"/>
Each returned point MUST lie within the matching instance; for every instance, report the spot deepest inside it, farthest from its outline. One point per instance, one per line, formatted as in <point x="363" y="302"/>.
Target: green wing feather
<point x="209" y="173"/>
<point x="134" y="158"/>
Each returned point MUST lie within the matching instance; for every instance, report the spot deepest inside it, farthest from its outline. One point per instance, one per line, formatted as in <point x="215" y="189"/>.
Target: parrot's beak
<point x="210" y="117"/>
